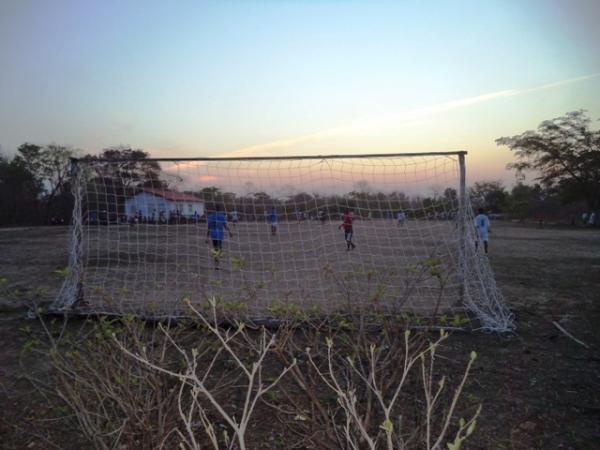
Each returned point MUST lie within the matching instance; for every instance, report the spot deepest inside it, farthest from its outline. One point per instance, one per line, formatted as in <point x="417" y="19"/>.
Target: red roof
<point x="173" y="196"/>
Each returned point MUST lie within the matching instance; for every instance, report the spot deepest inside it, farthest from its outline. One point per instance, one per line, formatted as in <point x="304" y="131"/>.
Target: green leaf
<point x="64" y="272"/>
<point x="387" y="426"/>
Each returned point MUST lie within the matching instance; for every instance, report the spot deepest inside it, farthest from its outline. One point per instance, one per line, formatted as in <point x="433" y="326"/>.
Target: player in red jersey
<point x="347" y="226"/>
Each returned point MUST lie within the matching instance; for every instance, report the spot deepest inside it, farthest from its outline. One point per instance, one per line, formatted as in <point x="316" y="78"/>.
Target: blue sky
<point x="293" y="77"/>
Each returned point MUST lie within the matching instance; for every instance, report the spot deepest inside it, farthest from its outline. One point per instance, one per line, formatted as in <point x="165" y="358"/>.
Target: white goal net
<point x="269" y="237"/>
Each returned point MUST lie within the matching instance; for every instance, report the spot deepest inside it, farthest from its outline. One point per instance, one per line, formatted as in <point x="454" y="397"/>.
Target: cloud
<point x="208" y="178"/>
<point x="403" y="119"/>
<point x="561" y="83"/>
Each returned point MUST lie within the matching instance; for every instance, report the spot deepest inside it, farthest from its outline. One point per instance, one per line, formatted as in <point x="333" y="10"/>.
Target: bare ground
<point x="539" y="388"/>
<point x="150" y="268"/>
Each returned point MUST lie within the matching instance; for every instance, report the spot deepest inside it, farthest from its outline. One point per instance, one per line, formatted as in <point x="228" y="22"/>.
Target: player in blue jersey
<point x="273" y="219"/>
<point x="216" y="225"/>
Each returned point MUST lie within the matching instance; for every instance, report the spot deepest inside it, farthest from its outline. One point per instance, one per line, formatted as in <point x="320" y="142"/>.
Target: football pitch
<point x="151" y="270"/>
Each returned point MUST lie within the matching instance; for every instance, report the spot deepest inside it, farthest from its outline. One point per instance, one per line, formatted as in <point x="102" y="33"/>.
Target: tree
<point x="263" y="197"/>
<point x="450" y="199"/>
<point x="302" y="201"/>
<point x="211" y="193"/>
<point x="450" y="195"/>
<point x="50" y="166"/>
<point x="399" y="200"/>
<point x="116" y="173"/>
<point x="565" y="153"/>
<point x="130" y="166"/>
<point x="214" y="195"/>
<point x="20" y="192"/>
<point x="525" y="200"/>
<point x="489" y="194"/>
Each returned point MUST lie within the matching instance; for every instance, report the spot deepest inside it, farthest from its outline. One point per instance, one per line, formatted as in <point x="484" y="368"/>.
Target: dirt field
<point x="538" y="387"/>
<point x="148" y="269"/>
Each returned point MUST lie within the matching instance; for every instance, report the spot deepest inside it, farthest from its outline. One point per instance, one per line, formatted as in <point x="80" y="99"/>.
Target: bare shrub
<point x="117" y="402"/>
<point x="334" y="383"/>
<point x="247" y="353"/>
<point x="368" y="387"/>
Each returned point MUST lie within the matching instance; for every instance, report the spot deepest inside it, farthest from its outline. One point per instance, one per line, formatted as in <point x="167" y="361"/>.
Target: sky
<point x="282" y="77"/>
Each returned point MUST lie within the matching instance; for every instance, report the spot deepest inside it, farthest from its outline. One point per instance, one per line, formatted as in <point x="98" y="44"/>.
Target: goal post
<point x="385" y="233"/>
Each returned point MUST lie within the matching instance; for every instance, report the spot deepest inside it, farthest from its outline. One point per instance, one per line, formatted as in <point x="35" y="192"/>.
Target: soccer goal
<point x="270" y="236"/>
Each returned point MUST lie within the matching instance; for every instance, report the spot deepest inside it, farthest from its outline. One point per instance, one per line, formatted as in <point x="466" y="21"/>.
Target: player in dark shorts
<point x="322" y="217"/>
<point x="348" y="230"/>
<point x="216" y="226"/>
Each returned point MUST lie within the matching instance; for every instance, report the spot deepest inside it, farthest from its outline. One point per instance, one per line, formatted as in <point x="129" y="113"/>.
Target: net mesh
<point x="147" y="236"/>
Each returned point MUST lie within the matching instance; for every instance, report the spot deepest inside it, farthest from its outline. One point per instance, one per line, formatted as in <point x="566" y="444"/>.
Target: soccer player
<point x="584" y="218"/>
<point x="401" y="218"/>
<point x="482" y="223"/>
<point x="322" y="217"/>
<point x="540" y="219"/>
<point x="592" y="219"/>
<point x="347" y="226"/>
<point x="216" y="226"/>
<point x="235" y="217"/>
<point x="273" y="218"/>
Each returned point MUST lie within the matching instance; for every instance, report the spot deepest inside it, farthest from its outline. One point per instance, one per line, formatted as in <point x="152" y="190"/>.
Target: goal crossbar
<point x="279" y="158"/>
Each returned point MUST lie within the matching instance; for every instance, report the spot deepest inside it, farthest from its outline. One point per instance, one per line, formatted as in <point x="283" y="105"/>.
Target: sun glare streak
<point x="413" y="117"/>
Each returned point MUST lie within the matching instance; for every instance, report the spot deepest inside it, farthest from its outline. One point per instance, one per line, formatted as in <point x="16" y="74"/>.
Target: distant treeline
<point x="35" y="184"/>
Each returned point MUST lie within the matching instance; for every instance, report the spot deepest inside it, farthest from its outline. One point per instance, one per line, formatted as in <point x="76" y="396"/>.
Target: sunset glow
<point x="248" y="78"/>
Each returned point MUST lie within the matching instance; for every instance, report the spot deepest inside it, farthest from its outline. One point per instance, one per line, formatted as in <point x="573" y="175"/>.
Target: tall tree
<point x="565" y="153"/>
<point x="525" y="200"/>
<point x="450" y="198"/>
<point x="115" y="174"/>
<point x="450" y="194"/>
<point x="49" y="165"/>
<point x="131" y="167"/>
<point x="489" y="194"/>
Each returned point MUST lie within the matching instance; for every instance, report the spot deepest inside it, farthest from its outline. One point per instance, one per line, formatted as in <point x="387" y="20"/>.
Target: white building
<point x="154" y="204"/>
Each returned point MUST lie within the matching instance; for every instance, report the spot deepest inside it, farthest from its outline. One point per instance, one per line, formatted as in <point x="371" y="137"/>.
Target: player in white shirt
<point x="235" y="217"/>
<point x="401" y="218"/>
<point x="482" y="224"/>
<point x="592" y="219"/>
